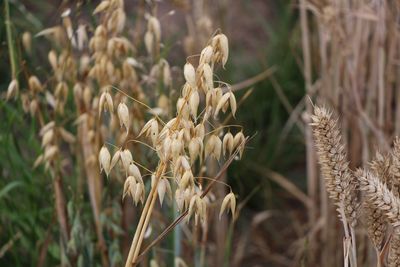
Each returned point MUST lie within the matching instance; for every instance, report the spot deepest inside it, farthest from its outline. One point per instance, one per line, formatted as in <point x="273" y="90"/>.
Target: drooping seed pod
<point x="162" y="188"/>
<point x="106" y="102"/>
<point x="149" y="42"/>
<point x="13" y="89"/>
<point x="208" y="77"/>
<point x="34" y="84"/>
<point x="126" y="158"/>
<point x="105" y="160"/>
<point x="200" y="131"/>
<point x="129" y="187"/>
<point x="116" y="157"/>
<point x="187" y="180"/>
<point x="239" y="142"/>
<point x="154" y="26"/>
<point x="213" y="147"/>
<point x="27" y="42"/>
<point x="134" y="171"/>
<point x="195" y="149"/>
<point x="232" y="103"/>
<point x="230" y="200"/>
<point x="194" y="103"/>
<point x="50" y="153"/>
<point x="190" y="74"/>
<point x="139" y="193"/>
<point x="222" y="102"/>
<point x="220" y="44"/>
<point x="227" y="144"/>
<point x="47" y="137"/>
<point x="206" y="55"/>
<point x="123" y="115"/>
<point x="53" y="60"/>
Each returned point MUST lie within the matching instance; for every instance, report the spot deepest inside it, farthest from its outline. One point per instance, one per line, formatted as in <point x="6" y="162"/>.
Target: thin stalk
<point x="144" y="219"/>
<point x="10" y="41"/>
<point x="312" y="178"/>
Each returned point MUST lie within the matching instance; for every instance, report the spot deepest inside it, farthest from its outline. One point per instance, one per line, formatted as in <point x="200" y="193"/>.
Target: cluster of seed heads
<point x="185" y="138"/>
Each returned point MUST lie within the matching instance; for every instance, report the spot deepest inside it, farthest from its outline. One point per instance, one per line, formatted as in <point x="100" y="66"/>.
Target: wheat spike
<point x="339" y="180"/>
<point x="375" y="220"/>
<point x="394" y="252"/>
<point x="380" y="196"/>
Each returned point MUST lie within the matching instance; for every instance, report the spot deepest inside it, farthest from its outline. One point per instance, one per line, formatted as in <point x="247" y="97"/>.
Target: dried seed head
<point x="27" y="42"/>
<point x="195" y="149"/>
<point x="106" y="102"/>
<point x="213" y="147"/>
<point x="67" y="136"/>
<point x="208" y="77"/>
<point x="206" y="55"/>
<point x="194" y="103"/>
<point x="135" y="172"/>
<point x="221" y="103"/>
<point x="53" y="60"/>
<point x="166" y="71"/>
<point x="47" y="137"/>
<point x="220" y="44"/>
<point x="12" y="90"/>
<point x="149" y="42"/>
<point x="50" y="153"/>
<point x="126" y="158"/>
<point x="200" y="131"/>
<point x="228" y="143"/>
<point x="123" y="115"/>
<point x="34" y="84"/>
<point x="129" y="187"/>
<point x="229" y="201"/>
<point x="190" y="74"/>
<point x="116" y="157"/>
<point x="105" y="160"/>
<point x="232" y="103"/>
<point x="139" y="193"/>
<point x="154" y="26"/>
<point x="187" y="180"/>
<point x="162" y="188"/>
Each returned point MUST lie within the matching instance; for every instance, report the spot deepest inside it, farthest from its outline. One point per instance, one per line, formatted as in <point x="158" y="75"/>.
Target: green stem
<point x="10" y="42"/>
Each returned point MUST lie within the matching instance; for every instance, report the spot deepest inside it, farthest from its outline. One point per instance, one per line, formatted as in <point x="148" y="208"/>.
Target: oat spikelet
<point x="380" y="196"/>
<point x="394" y="252"/>
<point x="375" y="220"/>
<point x="339" y="180"/>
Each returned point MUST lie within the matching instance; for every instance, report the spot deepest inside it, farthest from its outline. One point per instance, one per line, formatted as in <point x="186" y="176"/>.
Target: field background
<point x="285" y="218"/>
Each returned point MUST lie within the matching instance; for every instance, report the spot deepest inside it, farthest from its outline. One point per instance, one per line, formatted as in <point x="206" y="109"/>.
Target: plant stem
<point x="10" y="40"/>
<point x="144" y="219"/>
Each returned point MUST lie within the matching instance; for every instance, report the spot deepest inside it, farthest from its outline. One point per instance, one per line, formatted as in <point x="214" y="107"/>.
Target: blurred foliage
<point x="263" y="113"/>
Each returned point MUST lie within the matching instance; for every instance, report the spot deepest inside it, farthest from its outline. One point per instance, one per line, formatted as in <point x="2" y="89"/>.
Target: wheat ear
<point x="339" y="179"/>
<point x="375" y="220"/>
<point x="394" y="251"/>
<point x="380" y="196"/>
